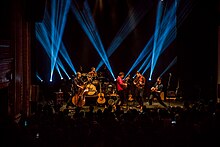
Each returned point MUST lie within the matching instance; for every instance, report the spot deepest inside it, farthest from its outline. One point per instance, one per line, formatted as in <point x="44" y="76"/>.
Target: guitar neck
<point x="100" y="89"/>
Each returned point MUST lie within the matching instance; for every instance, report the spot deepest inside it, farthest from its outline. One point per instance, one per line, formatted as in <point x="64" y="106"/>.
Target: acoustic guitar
<point x="139" y="82"/>
<point x="126" y="82"/>
<point x="101" y="98"/>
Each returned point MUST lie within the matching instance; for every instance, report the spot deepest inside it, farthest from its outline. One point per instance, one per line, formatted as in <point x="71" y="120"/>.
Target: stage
<point x="125" y="107"/>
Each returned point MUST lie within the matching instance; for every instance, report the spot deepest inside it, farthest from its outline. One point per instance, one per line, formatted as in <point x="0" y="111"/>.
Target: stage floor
<point x="126" y="107"/>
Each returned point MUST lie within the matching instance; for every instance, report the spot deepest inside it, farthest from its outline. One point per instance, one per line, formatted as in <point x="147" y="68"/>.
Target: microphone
<point x="168" y="85"/>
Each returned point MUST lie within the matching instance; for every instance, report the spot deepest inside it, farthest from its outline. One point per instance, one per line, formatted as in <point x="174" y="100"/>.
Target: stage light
<point x="135" y="16"/>
<point x="173" y="62"/>
<point x="49" y="34"/>
<point x="52" y="30"/>
<point x="88" y="25"/>
<point x="147" y="50"/>
<point x="165" y="33"/>
<point x="59" y="12"/>
<point x="38" y="77"/>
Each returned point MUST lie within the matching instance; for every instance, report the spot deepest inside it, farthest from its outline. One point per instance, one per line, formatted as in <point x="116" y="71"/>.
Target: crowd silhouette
<point x="193" y="125"/>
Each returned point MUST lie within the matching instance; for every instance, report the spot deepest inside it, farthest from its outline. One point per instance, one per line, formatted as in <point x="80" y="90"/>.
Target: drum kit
<point x="107" y="88"/>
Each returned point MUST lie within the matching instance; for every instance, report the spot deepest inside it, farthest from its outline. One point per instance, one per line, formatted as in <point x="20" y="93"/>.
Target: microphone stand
<point x="168" y="86"/>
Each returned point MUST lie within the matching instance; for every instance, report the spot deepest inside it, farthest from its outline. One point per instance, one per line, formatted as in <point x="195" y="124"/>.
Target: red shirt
<point x="119" y="84"/>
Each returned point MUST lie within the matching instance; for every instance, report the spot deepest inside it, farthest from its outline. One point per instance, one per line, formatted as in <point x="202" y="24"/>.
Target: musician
<point x="89" y="80"/>
<point x="80" y="87"/>
<point x="156" y="91"/>
<point x="79" y="83"/>
<point x="121" y="87"/>
<point x="93" y="73"/>
<point x="139" y="83"/>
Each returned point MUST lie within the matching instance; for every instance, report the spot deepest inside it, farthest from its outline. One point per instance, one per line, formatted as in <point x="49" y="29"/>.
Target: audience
<point x="193" y="125"/>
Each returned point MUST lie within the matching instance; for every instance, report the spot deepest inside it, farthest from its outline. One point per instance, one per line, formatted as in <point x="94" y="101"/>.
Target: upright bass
<point x="79" y="98"/>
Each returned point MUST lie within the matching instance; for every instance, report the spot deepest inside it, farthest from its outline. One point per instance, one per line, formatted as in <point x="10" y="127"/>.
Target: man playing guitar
<point x="121" y="86"/>
<point x="156" y="91"/>
<point x="139" y="83"/>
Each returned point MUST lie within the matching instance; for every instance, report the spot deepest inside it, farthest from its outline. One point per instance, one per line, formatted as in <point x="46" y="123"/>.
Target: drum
<point x="95" y="82"/>
<point x="113" y="99"/>
<point x="84" y="74"/>
<point x="91" y="89"/>
<point x="110" y="89"/>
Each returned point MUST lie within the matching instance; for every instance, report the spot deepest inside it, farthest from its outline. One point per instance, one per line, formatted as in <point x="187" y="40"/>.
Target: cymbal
<point x="113" y="94"/>
<point x="84" y="74"/>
